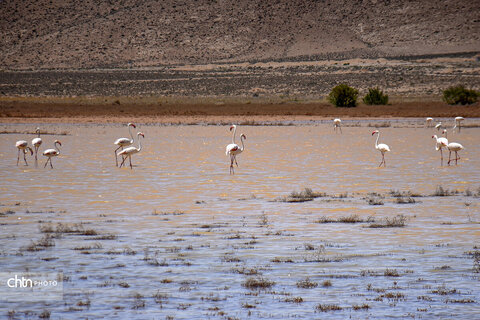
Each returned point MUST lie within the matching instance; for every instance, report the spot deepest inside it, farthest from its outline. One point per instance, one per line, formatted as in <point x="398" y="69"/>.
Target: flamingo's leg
<point x="116" y="160"/>
<point x="449" y="154"/>
<point x="18" y="156"/>
<point x="130" y="158"/>
<point x="51" y="165"/>
<point x="123" y="161"/>
<point x="46" y="163"/>
<point x="441" y="157"/>
<point x="340" y="129"/>
<point x="235" y="158"/>
<point x="25" y="157"/>
<point x="232" y="171"/>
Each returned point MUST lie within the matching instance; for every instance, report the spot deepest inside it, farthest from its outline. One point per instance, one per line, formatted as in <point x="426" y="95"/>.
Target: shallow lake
<point x="179" y="237"/>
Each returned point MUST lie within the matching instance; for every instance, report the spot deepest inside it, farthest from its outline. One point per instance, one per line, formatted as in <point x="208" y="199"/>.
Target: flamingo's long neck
<point x="57" y="147"/>
<point x="446" y="134"/>
<point x="234" y="132"/>
<point x="376" y="141"/>
<point x="139" y="144"/>
<point x="130" y="131"/>
<point x="243" y="146"/>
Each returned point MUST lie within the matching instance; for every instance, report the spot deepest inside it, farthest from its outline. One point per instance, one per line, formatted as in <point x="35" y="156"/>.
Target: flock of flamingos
<point x="233" y="149"/>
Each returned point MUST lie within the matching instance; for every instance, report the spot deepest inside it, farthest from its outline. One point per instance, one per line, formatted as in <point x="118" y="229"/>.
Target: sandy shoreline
<point x="221" y="112"/>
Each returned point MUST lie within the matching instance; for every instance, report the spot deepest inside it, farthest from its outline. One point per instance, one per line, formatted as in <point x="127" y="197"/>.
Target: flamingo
<point x="233" y="149"/>
<point x="22" y="146"/>
<point x="458" y="121"/>
<point x="438" y="126"/>
<point x="124" y="142"/>
<point x="381" y="147"/>
<point x="37" y="142"/>
<point x="336" y="124"/>
<point x="52" y="153"/>
<point x="428" y="122"/>
<point x="440" y="143"/>
<point x="127" y="153"/>
<point x="454" y="146"/>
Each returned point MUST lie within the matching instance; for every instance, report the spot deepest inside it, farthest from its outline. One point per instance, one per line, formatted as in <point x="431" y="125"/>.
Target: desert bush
<point x="343" y="96"/>
<point x="460" y="95"/>
<point x="375" y="96"/>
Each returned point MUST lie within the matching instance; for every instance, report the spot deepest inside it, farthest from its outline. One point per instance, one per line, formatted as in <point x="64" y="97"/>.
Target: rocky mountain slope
<point x="70" y="34"/>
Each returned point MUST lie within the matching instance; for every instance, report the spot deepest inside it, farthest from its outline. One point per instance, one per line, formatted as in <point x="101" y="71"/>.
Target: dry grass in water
<point x="374" y="199"/>
<point x="258" y="283"/>
<point x="399" y="221"/>
<point x="441" y="192"/>
<point x="306" y="195"/>
<point x="328" y="307"/>
<point x="404" y="194"/>
<point x="354" y="218"/>
<point x="42" y="244"/>
<point x="307" y="284"/>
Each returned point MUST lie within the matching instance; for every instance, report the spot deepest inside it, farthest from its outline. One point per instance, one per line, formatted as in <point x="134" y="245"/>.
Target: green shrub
<point x="343" y="96"/>
<point x="375" y="96"/>
<point x="460" y="95"/>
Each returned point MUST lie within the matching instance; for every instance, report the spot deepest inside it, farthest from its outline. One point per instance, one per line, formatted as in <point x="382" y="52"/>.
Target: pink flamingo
<point x="128" y="152"/>
<point x="382" y="147"/>
<point x="124" y="142"/>
<point x="22" y="146"/>
<point x="50" y="153"/>
<point x="233" y="149"/>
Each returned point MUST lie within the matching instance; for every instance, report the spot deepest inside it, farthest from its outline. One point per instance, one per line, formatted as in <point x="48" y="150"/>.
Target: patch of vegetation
<point x="401" y="194"/>
<point x="443" y="291"/>
<point x="41" y="244"/>
<point x="440" y="192"/>
<point x="354" y="218"/>
<point x="361" y="307"/>
<point x="44" y="315"/>
<point x="327" y="283"/>
<point x="460" y="95"/>
<point x="328" y="307"/>
<point x="374" y="199"/>
<point x="305" y="195"/>
<point x="398" y="221"/>
<point x="402" y="200"/>
<point x="391" y="273"/>
<point x="307" y="284"/>
<point x="294" y="300"/>
<point x="343" y="96"/>
<point x="375" y="96"/>
<point x="258" y="283"/>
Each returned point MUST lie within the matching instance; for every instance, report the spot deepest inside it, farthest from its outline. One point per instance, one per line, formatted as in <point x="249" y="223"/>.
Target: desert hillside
<point x="88" y="34"/>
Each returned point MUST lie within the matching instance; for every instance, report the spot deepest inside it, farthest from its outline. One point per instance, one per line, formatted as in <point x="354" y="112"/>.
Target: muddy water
<point x="178" y="236"/>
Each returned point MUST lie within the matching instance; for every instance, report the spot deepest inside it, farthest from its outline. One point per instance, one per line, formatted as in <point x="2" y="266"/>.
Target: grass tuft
<point x="328" y="307"/>
<point x="258" y="283"/>
<point x="307" y="284"/>
<point x="399" y="221"/>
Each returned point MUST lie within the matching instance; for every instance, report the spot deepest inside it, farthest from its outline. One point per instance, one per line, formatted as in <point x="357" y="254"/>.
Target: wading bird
<point x="382" y="147"/>
<point x="124" y="142"/>
<point x="36" y="143"/>
<point x="52" y="153"/>
<point x="22" y="146"/>
<point x="458" y="123"/>
<point x="454" y="146"/>
<point x="336" y="124"/>
<point x="128" y="152"/>
<point x="233" y="149"/>
<point x="440" y="144"/>
<point x="438" y="126"/>
<point x="428" y="122"/>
